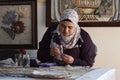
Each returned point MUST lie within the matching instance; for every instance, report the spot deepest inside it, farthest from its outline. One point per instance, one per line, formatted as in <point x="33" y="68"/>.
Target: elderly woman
<point x="66" y="43"/>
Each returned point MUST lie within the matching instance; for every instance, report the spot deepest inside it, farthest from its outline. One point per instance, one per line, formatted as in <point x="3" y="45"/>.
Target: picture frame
<point x="18" y="24"/>
<point x="55" y="7"/>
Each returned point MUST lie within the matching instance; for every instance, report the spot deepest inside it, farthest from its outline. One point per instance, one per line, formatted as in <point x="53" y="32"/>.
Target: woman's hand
<point x="67" y="58"/>
<point x="55" y="51"/>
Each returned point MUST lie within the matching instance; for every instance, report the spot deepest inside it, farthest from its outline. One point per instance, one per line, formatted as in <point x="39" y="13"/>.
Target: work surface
<point x="57" y="73"/>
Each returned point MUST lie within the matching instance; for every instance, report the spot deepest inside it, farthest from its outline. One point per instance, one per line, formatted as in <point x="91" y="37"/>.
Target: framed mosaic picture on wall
<point x="92" y="13"/>
<point x="18" y="24"/>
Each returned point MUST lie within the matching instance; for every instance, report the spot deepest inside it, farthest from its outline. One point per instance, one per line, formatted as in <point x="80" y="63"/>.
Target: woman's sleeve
<point x="87" y="52"/>
<point x="43" y="53"/>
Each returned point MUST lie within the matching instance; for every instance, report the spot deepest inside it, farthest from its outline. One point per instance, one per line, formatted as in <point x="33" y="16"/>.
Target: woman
<point x="66" y="43"/>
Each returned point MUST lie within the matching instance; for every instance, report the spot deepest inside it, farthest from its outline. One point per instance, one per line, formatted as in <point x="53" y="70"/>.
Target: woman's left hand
<point x="67" y="58"/>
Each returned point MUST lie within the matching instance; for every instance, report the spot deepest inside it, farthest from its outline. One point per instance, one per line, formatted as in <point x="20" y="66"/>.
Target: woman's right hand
<point x="55" y="51"/>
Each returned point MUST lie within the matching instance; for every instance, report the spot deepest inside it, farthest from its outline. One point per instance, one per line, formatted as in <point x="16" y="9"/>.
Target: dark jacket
<point x="84" y="54"/>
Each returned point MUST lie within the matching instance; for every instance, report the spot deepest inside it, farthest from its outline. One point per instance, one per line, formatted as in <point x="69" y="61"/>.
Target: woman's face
<point x="67" y="28"/>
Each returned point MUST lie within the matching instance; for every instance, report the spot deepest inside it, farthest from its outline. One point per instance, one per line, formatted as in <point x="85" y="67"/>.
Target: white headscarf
<point x="69" y="41"/>
<point x="70" y="14"/>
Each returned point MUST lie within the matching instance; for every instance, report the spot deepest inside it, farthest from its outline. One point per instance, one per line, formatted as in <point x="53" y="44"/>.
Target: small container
<point x="17" y="60"/>
<point x="25" y="60"/>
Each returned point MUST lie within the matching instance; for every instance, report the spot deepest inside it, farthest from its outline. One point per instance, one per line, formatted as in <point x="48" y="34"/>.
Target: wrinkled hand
<point x="55" y="51"/>
<point x="67" y="58"/>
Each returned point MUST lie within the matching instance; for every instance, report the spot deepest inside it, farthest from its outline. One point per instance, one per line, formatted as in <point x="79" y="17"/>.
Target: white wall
<point x="107" y="40"/>
<point x="41" y="24"/>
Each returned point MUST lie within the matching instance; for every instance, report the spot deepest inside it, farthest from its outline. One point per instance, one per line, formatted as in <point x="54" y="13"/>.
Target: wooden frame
<point x="18" y="24"/>
<point x="112" y="23"/>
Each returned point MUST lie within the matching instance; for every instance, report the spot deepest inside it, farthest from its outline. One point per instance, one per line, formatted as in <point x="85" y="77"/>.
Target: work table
<point x="68" y="73"/>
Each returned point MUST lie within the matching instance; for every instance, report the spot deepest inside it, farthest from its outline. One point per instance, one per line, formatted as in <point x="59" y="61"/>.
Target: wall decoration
<point x="92" y="13"/>
<point x="18" y="24"/>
